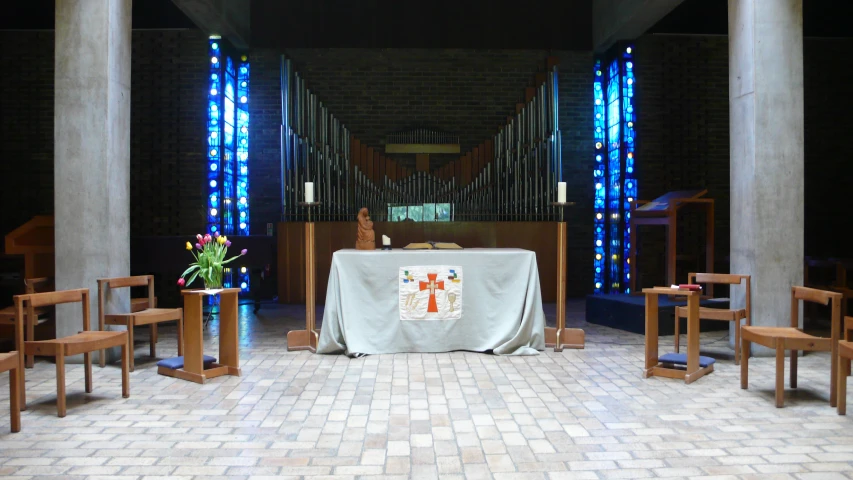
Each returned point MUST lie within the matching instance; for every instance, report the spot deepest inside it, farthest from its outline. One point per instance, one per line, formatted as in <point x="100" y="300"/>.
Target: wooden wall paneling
<point x="369" y="164"/>
<point x="539" y="237"/>
<point x="551" y="61"/>
<point x="475" y="162"/>
<point x="377" y="168"/>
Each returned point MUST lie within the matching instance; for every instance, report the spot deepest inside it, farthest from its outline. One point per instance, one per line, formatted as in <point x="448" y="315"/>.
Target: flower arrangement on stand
<point x="209" y="254"/>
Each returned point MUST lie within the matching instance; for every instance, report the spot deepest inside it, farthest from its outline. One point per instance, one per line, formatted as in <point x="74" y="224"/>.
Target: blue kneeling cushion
<point x="681" y="359"/>
<point x="175" y="363"/>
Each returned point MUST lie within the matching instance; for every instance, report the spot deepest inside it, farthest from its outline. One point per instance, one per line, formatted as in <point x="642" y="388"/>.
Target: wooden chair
<point x="84" y="342"/>
<point x="42" y="315"/>
<point x="11" y="362"/>
<point x="845" y="354"/>
<point x="794" y="339"/>
<point x="720" y="314"/>
<point x="138" y="317"/>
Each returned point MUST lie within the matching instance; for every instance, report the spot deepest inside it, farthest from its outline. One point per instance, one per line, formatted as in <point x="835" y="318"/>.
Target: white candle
<point x="561" y="192"/>
<point x="309" y="192"/>
<point x="386" y="241"/>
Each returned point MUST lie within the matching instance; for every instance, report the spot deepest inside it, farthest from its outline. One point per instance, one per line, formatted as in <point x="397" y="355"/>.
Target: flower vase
<point x="215" y="281"/>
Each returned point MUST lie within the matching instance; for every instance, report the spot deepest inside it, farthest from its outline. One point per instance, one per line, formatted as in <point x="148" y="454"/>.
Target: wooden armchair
<point x="794" y="339"/>
<point x="84" y="342"/>
<point x="42" y="315"/>
<point x="845" y="354"/>
<point x="11" y="362"/>
<point x="729" y="315"/>
<point x="138" y="317"/>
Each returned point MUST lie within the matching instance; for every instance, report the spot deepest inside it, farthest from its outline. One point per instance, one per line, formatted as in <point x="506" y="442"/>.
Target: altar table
<point x="396" y="301"/>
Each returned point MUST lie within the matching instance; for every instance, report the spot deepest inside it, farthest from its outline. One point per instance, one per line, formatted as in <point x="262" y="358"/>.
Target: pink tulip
<point x="181" y="282"/>
<point x="198" y="246"/>
<point x="199" y="237"/>
<point x="244" y="251"/>
<point x="207" y="238"/>
<point x="228" y="243"/>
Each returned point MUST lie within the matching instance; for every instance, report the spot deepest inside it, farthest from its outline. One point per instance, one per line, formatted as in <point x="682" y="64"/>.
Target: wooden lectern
<point x="664" y="211"/>
<point x="34" y="240"/>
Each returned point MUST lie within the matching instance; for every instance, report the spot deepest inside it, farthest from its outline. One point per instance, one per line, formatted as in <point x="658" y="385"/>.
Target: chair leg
<point x="130" y="343"/>
<point x="834" y="367"/>
<point x="744" y="365"/>
<point x="60" y="380"/>
<point x="153" y="347"/>
<point x="126" y="358"/>
<point x="677" y="332"/>
<point x="31" y="336"/>
<point x="794" y="368"/>
<point x="87" y="364"/>
<point x="843" y="371"/>
<point x="22" y="380"/>
<point x="15" y="399"/>
<point x="737" y="342"/>
<point x="780" y="376"/>
<point x="181" y="336"/>
<point x="102" y="354"/>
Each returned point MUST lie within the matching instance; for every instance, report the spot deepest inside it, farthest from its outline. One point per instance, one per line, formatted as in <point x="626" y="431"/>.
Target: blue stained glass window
<point x="228" y="150"/>
<point x="614" y="183"/>
<point x="598" y="177"/>
<point x="614" y="174"/>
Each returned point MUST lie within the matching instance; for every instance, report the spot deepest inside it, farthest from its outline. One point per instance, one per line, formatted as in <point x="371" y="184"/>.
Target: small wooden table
<point x="654" y="366"/>
<point x="229" y="350"/>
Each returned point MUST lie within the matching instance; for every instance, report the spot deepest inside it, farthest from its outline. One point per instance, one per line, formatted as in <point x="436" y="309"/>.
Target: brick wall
<point x="26" y="127"/>
<point x="683" y="142"/>
<point x="465" y="92"/>
<point x="167" y="129"/>
<point x="682" y="101"/>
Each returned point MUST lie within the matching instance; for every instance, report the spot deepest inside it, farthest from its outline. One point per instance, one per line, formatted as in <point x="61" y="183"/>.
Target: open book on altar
<point x="432" y="246"/>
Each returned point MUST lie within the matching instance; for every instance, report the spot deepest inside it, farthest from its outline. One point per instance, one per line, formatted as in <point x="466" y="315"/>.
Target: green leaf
<point x="192" y="267"/>
<point x="192" y="278"/>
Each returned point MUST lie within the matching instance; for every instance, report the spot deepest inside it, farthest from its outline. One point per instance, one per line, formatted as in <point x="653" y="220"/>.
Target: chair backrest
<point x="39" y="285"/>
<point x="822" y="297"/>
<point x="123" y="282"/>
<point x="728" y="279"/>
<point x="31" y="301"/>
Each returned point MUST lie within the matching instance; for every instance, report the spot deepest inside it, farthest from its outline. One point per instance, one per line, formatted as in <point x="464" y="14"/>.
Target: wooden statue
<point x="366" y="239"/>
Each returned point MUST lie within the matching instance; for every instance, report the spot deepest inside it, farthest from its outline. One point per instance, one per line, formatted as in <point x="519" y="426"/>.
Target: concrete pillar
<point x="92" y="151"/>
<point x="766" y="110"/>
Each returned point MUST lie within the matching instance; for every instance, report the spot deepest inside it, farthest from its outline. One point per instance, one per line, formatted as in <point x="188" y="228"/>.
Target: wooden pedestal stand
<point x="664" y="211"/>
<point x="307" y="339"/>
<point x="654" y="367"/>
<point x="562" y="337"/>
<point x="229" y="346"/>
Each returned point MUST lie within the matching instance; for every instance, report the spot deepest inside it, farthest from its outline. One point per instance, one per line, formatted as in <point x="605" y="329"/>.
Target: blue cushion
<point x="175" y="363"/>
<point x="681" y="359"/>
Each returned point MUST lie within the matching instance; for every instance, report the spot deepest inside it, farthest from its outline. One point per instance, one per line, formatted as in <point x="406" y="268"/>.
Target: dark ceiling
<point x="821" y="18"/>
<point x="39" y="15"/>
<point x="444" y="23"/>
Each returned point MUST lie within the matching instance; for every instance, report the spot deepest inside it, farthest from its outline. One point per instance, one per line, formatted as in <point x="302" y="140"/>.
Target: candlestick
<point x="561" y="192"/>
<point x="309" y="192"/>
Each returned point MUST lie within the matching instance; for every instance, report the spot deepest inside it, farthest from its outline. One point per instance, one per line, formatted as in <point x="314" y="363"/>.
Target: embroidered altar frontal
<point x="484" y="300"/>
<point x="430" y="293"/>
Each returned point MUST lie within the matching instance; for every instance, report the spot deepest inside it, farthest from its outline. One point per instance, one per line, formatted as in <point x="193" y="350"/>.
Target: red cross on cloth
<point x="432" y="285"/>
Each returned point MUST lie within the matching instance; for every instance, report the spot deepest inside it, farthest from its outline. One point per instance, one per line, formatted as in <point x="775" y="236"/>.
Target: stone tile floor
<point x="576" y="414"/>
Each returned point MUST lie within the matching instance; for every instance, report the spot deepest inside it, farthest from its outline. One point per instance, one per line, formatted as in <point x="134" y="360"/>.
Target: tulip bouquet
<point x="209" y="254"/>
